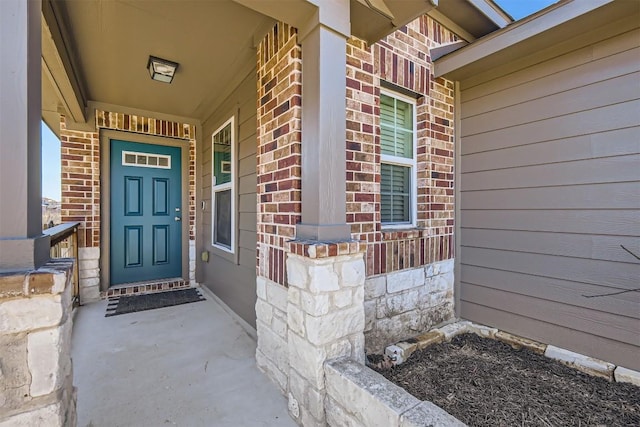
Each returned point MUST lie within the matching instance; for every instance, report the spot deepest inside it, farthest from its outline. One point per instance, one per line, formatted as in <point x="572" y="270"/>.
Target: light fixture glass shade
<point x="161" y="69"/>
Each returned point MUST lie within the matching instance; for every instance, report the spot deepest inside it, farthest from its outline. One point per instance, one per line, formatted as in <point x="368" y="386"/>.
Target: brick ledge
<point x="139" y="288"/>
<point x="318" y="249"/>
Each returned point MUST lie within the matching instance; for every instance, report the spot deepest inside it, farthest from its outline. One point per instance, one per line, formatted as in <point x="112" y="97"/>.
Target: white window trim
<point x="403" y="161"/>
<point x="223" y="187"/>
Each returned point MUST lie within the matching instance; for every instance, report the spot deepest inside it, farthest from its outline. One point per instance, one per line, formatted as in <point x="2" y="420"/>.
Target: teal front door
<point x="146" y="212"/>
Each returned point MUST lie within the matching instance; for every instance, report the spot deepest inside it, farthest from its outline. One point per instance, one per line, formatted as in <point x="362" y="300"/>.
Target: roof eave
<point x="456" y="65"/>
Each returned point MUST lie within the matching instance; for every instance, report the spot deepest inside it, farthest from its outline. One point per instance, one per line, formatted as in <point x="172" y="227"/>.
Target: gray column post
<point x="324" y="125"/>
<point x="22" y="245"/>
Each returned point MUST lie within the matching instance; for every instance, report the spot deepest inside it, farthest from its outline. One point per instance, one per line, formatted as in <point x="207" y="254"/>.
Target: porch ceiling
<point x="97" y="50"/>
<point x="111" y="40"/>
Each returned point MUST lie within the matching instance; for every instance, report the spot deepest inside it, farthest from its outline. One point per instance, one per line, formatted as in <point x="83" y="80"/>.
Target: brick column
<point x="325" y="314"/>
<point x="22" y="245"/>
<point x="279" y="114"/>
<point x="279" y="133"/>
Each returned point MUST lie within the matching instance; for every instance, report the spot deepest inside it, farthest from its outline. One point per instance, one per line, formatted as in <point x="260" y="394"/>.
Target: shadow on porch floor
<point x="187" y="365"/>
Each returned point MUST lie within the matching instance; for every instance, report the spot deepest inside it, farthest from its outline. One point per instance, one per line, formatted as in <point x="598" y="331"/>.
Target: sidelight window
<point x="223" y="188"/>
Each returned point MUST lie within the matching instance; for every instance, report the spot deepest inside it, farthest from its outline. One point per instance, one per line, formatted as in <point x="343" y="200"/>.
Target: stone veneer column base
<point x="36" y="377"/>
<point x="325" y="315"/>
<point x="320" y="316"/>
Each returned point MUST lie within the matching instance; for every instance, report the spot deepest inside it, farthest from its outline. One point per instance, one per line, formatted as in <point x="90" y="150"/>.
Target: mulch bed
<point x="484" y="382"/>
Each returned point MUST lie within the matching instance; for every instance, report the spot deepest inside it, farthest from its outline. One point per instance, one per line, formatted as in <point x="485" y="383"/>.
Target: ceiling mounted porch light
<point x="161" y="69"/>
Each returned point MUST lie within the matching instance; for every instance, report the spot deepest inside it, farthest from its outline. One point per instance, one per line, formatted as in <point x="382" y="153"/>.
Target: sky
<point x="50" y="164"/>
<point x="521" y="8"/>
<point x="51" y="146"/>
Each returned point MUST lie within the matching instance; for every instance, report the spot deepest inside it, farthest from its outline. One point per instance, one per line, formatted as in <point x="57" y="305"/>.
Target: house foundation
<point x="407" y="302"/>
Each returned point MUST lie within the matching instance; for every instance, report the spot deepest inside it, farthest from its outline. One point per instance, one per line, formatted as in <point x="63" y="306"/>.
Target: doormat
<point x="131" y="304"/>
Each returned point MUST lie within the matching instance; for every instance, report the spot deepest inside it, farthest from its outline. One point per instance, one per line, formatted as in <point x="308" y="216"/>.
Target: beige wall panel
<point x="248" y="203"/>
<point x="248" y="260"/>
<point x="599" y="323"/>
<point x="580" y="172"/>
<point x="549" y="191"/>
<point x="247" y="184"/>
<point x="546" y="288"/>
<point x="606" y="221"/>
<point x="248" y="221"/>
<point x="622" y="63"/>
<point x="248" y="129"/>
<point x="247" y="225"/>
<point x="247" y="105"/>
<point x="619" y="276"/>
<point x="232" y="277"/>
<point x="231" y="287"/>
<point x="618" y="116"/>
<point x="587" y="246"/>
<point x="248" y="150"/>
<point x="623" y="354"/>
<point x="598" y="145"/>
<point x="591" y="97"/>
<point x="246" y="239"/>
<point x="623" y="195"/>
<point x="247" y="166"/>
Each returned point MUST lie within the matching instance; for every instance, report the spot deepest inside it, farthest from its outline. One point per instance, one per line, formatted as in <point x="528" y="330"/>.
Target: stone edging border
<point x="360" y="397"/>
<point x="400" y="351"/>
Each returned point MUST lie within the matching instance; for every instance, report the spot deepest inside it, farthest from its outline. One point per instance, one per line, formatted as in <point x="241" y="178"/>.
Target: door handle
<point x="177" y="218"/>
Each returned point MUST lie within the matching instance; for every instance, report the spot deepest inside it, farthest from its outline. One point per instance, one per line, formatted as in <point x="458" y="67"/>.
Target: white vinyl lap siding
<point x="549" y="191"/>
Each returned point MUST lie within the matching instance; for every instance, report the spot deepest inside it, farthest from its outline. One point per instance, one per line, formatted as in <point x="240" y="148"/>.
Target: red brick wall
<point x="279" y="71"/>
<point x="80" y="152"/>
<point x="403" y="59"/>
<point x="363" y="144"/>
<point x="80" y="181"/>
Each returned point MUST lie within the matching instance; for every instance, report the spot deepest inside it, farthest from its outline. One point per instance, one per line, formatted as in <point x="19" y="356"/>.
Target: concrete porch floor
<point x="187" y="365"/>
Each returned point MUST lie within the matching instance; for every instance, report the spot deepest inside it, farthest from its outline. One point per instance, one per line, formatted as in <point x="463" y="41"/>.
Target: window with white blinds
<point x="398" y="164"/>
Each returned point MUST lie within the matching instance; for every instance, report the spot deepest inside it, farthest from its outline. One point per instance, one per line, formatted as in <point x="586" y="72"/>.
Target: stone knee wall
<point x="89" y="274"/>
<point x="272" y="354"/>
<point x="360" y="397"/>
<point x="405" y="303"/>
<point x="36" y="379"/>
